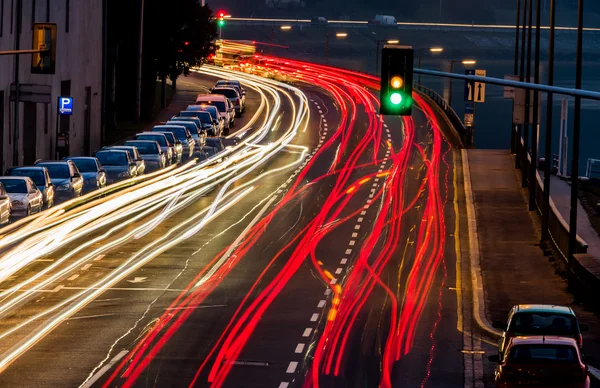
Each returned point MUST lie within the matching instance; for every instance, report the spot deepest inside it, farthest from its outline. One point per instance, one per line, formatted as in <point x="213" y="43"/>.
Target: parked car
<point x="166" y="146"/>
<point x="231" y="82"/>
<point x="66" y="178"/>
<point x="92" y="172"/>
<point x="118" y="165"/>
<point x="182" y="135"/>
<point x="540" y="319"/>
<point x="134" y="153"/>
<point x="25" y="197"/>
<point x="223" y="105"/>
<point x="199" y="135"/>
<point x="542" y="361"/>
<point x="213" y="128"/>
<point x="5" y="206"/>
<point x="151" y="152"/>
<point x="218" y="122"/>
<point x="232" y="94"/>
<point x="41" y="178"/>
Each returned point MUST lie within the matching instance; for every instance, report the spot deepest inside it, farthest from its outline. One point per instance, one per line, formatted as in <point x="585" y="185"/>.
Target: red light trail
<point x="384" y="272"/>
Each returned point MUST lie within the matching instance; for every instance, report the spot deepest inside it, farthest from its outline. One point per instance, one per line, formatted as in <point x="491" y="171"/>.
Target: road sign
<point x="44" y="38"/>
<point x="510" y="91"/>
<point x="65" y="106"/>
<point x="480" y="87"/>
<point x="469" y="87"/>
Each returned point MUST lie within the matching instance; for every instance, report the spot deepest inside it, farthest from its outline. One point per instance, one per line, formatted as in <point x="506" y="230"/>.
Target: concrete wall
<point x="79" y="59"/>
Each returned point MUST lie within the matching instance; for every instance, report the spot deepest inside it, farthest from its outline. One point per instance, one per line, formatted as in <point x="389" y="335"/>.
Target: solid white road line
<point x="104" y="369"/>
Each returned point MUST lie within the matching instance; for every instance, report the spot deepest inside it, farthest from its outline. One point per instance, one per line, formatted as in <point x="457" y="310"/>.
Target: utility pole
<point x="576" y="133"/>
<point x="548" y="151"/>
<point x="17" y="32"/>
<point x="536" y="106"/>
<point x="527" y="99"/>
<point x="518" y="158"/>
<point x="513" y="135"/>
<point x="138" y="80"/>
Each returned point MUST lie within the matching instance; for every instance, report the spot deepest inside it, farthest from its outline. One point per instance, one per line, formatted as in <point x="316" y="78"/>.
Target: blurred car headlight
<point x="64" y="187"/>
<point x="17" y="203"/>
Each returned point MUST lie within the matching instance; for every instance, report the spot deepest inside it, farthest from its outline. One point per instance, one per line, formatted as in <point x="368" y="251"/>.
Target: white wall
<point x="79" y="59"/>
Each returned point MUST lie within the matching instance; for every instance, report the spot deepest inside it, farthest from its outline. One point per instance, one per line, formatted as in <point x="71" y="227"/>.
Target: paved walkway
<point x="514" y="268"/>
<point x="560" y="191"/>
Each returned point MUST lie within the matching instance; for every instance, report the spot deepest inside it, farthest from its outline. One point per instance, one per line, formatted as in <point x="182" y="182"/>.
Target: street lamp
<point x="286" y="28"/>
<point x="465" y="62"/>
<point x="339" y="35"/>
<point x="433" y="50"/>
<point x="386" y="41"/>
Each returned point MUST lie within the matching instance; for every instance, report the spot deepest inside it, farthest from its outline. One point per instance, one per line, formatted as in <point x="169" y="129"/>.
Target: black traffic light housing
<point x="396" y="80"/>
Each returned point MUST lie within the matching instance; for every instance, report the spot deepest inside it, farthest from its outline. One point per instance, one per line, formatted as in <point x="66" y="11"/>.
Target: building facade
<point x="79" y="74"/>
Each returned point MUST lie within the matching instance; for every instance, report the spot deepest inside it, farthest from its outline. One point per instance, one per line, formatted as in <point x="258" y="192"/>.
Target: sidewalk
<point x="514" y="268"/>
<point x="560" y="191"/>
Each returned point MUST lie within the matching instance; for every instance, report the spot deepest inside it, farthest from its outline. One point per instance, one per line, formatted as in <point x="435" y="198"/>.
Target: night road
<point x="320" y="246"/>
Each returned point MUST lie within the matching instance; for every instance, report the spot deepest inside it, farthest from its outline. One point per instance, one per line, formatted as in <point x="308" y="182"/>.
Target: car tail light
<point x="579" y="340"/>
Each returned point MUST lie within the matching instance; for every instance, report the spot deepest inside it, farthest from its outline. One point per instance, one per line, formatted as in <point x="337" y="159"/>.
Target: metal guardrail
<point x="557" y="225"/>
<point x="465" y="133"/>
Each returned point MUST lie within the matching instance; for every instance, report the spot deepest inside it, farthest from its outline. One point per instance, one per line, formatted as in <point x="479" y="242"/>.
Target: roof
<point x="52" y="162"/>
<point x="15" y="177"/>
<point x="110" y="150"/>
<point x="547" y="340"/>
<point x="28" y="168"/>
<point x="544" y="308"/>
<point x="150" y="133"/>
<point x="79" y="157"/>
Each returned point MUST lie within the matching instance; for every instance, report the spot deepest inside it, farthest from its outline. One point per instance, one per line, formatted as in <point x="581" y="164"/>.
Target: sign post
<point x="64" y="107"/>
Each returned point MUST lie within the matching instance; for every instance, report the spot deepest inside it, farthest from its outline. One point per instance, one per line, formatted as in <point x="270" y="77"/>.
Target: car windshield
<point x="528" y="323"/>
<point x="229" y="93"/>
<point x="57" y="170"/>
<point x="205" y="118"/>
<point x="168" y="134"/>
<point x="144" y="148"/>
<point x="543" y="354"/>
<point x="112" y="158"/>
<point x="212" y="111"/>
<point x="86" y="165"/>
<point x="181" y="133"/>
<point x="220" y="105"/>
<point x="36" y="176"/>
<point x="16" y="186"/>
<point x="160" y="139"/>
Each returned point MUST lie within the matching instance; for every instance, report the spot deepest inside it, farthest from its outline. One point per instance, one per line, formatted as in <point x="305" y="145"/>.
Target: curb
<point x="474" y="254"/>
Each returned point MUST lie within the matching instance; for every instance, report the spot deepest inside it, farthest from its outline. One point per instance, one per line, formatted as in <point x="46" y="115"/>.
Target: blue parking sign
<point x="65" y="106"/>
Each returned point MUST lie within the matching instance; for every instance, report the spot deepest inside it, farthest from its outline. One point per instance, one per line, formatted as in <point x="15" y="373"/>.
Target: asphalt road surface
<point x="320" y="249"/>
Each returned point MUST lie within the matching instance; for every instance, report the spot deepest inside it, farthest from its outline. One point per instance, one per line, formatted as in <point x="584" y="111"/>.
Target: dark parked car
<point x="66" y="178"/>
<point x="151" y="152"/>
<point x="94" y="175"/>
<point x="118" y="165"/>
<point x="134" y="153"/>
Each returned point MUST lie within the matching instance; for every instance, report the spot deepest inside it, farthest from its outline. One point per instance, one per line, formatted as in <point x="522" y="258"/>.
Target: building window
<point x="68" y="14"/>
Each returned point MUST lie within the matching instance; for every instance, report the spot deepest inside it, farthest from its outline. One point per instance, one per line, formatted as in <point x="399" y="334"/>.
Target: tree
<point x="166" y="31"/>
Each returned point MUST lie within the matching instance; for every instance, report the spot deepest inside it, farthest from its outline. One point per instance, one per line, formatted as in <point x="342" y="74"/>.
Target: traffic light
<point x="396" y="81"/>
<point x="221" y="18"/>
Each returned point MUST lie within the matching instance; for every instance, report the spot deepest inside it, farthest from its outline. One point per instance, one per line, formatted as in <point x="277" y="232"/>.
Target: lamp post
<point x="340" y="35"/>
<point x="576" y="134"/>
<point x="465" y="62"/>
<point x="434" y="50"/>
<point x="387" y="41"/>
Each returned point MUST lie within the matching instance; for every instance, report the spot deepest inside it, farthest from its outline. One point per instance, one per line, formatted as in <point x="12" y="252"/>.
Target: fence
<point x="557" y="225"/>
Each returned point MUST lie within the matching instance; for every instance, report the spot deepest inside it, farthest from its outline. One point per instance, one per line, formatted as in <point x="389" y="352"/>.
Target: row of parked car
<point x="195" y="132"/>
<point x="541" y="345"/>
